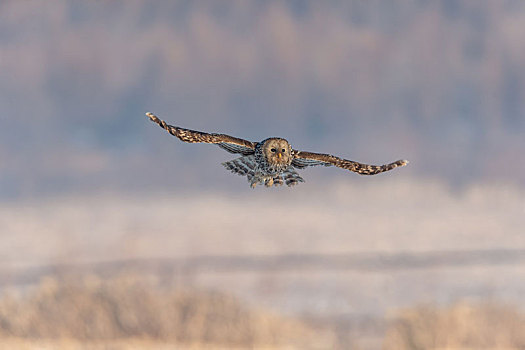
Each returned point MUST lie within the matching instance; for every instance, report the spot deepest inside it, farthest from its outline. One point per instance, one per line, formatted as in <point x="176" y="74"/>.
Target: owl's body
<point x="271" y="164"/>
<point x="271" y="161"/>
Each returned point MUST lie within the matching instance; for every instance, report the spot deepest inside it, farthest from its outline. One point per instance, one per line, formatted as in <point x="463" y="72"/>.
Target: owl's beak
<point x="279" y="155"/>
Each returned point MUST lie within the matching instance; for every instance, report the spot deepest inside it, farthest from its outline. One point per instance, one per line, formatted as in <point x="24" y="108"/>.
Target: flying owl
<point x="272" y="161"/>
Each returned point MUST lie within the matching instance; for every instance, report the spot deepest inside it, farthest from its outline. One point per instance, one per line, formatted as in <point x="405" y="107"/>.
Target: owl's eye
<point x="284" y="151"/>
<point x="273" y="150"/>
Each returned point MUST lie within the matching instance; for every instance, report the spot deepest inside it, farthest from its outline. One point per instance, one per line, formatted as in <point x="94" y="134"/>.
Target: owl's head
<point x="277" y="151"/>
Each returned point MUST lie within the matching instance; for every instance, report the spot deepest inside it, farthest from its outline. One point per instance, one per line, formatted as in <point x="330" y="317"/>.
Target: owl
<point x="272" y="161"/>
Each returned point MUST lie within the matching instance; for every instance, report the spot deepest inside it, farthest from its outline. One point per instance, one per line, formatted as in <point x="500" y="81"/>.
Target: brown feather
<point x="302" y="158"/>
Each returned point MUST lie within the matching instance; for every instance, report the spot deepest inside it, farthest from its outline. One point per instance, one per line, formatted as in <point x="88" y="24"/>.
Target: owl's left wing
<point x="227" y="142"/>
<point x="303" y="159"/>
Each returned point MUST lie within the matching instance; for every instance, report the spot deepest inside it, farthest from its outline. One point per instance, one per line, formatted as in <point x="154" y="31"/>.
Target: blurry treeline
<point x="441" y="83"/>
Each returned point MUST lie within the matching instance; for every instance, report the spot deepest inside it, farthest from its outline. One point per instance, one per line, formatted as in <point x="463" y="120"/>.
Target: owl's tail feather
<point x="242" y="166"/>
<point x="291" y="177"/>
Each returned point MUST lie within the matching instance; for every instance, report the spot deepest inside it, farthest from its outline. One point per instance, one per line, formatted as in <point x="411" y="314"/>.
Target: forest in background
<point x="441" y="83"/>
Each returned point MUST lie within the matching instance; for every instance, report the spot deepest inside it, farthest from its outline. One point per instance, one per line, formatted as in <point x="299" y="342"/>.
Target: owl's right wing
<point x="303" y="159"/>
<point x="229" y="143"/>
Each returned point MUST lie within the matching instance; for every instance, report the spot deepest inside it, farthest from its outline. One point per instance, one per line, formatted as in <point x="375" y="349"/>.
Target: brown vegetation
<point x="130" y="313"/>
<point x="461" y="326"/>
<point x="75" y="311"/>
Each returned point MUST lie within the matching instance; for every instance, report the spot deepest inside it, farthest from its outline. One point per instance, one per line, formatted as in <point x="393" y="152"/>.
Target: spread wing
<point x="303" y="159"/>
<point x="229" y="143"/>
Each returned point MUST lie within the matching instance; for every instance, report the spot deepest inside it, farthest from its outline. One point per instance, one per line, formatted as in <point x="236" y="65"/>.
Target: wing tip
<point x="151" y="116"/>
<point x="402" y="162"/>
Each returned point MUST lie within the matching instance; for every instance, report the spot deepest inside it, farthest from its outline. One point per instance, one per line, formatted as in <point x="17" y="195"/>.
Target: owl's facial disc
<point x="278" y="151"/>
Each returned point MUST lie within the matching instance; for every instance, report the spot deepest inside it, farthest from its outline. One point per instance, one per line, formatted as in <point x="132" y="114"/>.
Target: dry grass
<point x="137" y="313"/>
<point x="119" y="344"/>
<point x="461" y="326"/>
<point x="92" y="313"/>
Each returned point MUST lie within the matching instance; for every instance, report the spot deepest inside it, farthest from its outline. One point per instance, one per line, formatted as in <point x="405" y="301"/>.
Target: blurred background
<point x="114" y="232"/>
